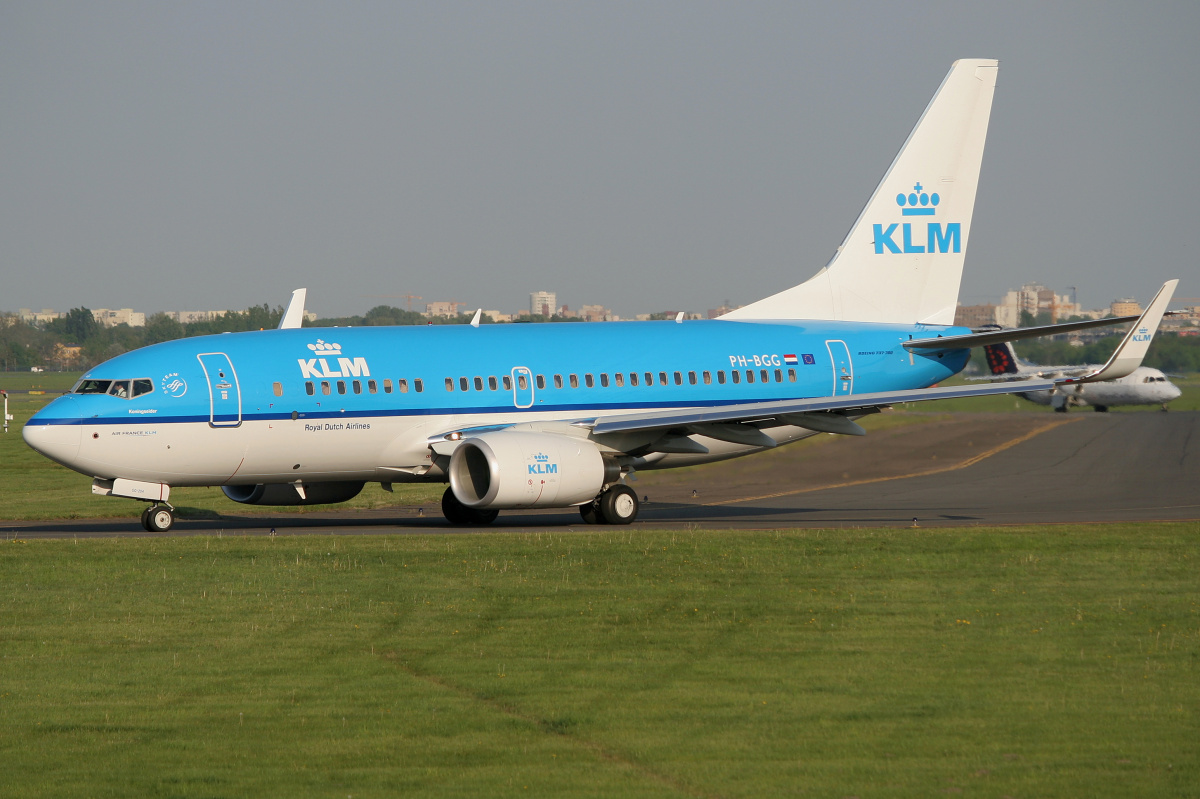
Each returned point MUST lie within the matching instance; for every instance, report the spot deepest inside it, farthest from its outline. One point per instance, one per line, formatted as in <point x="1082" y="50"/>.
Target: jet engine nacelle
<point x="286" y="493"/>
<point x="514" y="469"/>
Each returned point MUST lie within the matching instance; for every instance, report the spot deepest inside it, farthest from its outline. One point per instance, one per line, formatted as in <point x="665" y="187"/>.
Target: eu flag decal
<point x="809" y="360"/>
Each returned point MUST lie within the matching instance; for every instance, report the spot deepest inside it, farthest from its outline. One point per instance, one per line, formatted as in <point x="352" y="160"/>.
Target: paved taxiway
<point x="963" y="469"/>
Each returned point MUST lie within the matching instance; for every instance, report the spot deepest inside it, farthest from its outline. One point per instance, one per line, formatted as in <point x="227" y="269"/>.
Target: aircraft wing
<point x="801" y="412"/>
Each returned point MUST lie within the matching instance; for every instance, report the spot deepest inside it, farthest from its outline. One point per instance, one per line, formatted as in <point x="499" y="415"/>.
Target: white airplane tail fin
<point x="902" y="260"/>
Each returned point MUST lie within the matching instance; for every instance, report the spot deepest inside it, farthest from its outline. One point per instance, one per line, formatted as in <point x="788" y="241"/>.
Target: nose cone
<point x="55" y="431"/>
<point x="1173" y="392"/>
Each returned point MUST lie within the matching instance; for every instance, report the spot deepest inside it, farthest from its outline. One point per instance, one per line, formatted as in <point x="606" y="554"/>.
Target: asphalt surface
<point x="959" y="470"/>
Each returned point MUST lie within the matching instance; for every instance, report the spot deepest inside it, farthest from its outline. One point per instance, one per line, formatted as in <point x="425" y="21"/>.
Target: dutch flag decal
<point x="790" y="360"/>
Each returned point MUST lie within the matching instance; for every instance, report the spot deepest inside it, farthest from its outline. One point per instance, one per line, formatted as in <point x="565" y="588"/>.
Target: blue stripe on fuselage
<point x="434" y="353"/>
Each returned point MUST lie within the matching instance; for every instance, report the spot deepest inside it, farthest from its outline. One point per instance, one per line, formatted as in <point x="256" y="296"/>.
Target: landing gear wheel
<point x="1061" y="409"/>
<point x="146" y="518"/>
<point x="158" y="519"/>
<point x="1101" y="408"/>
<point x="589" y="513"/>
<point x="619" y="505"/>
<point x="458" y="513"/>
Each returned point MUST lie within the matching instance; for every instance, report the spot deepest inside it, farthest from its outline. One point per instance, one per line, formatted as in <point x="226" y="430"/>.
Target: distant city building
<point x="450" y="309"/>
<point x="121" y="316"/>
<point x="596" y="313"/>
<point x="1034" y="298"/>
<point x="543" y="303"/>
<point x="44" y="315"/>
<point x="974" y="316"/>
<point x="1125" y="307"/>
<point x="499" y="317"/>
<point x="188" y="317"/>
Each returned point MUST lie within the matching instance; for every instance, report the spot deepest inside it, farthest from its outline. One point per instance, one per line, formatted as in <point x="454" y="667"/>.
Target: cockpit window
<point x="92" y="387"/>
<point x="125" y="389"/>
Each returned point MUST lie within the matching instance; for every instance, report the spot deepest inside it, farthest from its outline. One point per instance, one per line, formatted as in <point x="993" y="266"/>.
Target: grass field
<point x="1015" y="662"/>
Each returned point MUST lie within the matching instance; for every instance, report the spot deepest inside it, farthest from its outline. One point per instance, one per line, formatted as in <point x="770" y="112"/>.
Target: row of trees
<point x="23" y="346"/>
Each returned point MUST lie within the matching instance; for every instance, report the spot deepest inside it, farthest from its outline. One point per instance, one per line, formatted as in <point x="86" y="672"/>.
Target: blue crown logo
<point x="918" y="203"/>
<point x="540" y="458"/>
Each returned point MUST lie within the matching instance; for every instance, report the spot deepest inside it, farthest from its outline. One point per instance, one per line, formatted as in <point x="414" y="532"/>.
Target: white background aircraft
<point x="1143" y="386"/>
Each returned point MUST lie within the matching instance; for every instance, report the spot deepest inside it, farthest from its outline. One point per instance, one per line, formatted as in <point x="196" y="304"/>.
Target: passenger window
<point x="449" y="383"/>
<point x="574" y="381"/>
<point x="589" y="380"/>
<point x="662" y="378"/>
<point x="357" y="386"/>
<point x="649" y="378"/>
<point x="119" y="388"/>
<point x="325" y="388"/>
<point x="492" y="384"/>
<point x="749" y="375"/>
<point x="419" y="385"/>
<point x="764" y="376"/>
<point x="308" y="388"/>
<point x="341" y="386"/>
<point x="144" y="386"/>
<point x="791" y="375"/>
<point x="507" y="380"/>
<point x="372" y="387"/>
<point x="401" y="384"/>
<point x="478" y="383"/>
<point x="604" y="379"/>
<point x="633" y="380"/>
<point x="692" y="378"/>
<point x="277" y="388"/>
<point x="522" y="382"/>
<point x="620" y="378"/>
<point x="707" y="378"/>
<point x="679" y="378"/>
<point x="387" y="385"/>
<point x="736" y="375"/>
<point x="778" y="375"/>
<point x="463" y="384"/>
<point x="541" y="381"/>
<point x="721" y="376"/>
<point x="558" y="383"/>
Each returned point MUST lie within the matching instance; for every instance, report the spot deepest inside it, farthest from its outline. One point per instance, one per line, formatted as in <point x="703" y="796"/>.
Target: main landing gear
<point x="158" y="518"/>
<point x="459" y="514"/>
<point x="617" y="504"/>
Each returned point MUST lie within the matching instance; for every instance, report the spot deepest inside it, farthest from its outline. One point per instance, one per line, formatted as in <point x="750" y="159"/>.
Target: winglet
<point x="1132" y="349"/>
<point x="293" y="317"/>
<point x="475" y="320"/>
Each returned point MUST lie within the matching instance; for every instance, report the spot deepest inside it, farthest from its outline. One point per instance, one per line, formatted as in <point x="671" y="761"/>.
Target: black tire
<point x="619" y="505"/>
<point x="590" y="513"/>
<point x="1061" y="409"/>
<point x="160" y="519"/>
<point x="459" y="514"/>
<point x="146" y="519"/>
<point x="1101" y="408"/>
<point x="454" y="511"/>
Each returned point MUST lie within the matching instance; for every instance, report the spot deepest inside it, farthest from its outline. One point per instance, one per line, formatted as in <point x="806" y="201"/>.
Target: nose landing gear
<point x="158" y="518"/>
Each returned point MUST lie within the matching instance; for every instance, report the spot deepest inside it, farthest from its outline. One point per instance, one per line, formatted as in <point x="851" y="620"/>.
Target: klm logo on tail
<point x="937" y="238"/>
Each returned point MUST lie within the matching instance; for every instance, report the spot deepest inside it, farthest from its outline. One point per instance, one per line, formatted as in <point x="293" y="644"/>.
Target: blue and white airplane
<point x="534" y="416"/>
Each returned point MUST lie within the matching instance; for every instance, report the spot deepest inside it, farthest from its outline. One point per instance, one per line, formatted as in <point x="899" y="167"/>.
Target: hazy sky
<point x="640" y="155"/>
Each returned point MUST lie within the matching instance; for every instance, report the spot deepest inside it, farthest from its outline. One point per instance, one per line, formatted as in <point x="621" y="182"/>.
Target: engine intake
<point x="512" y="469"/>
<point x="286" y="494"/>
